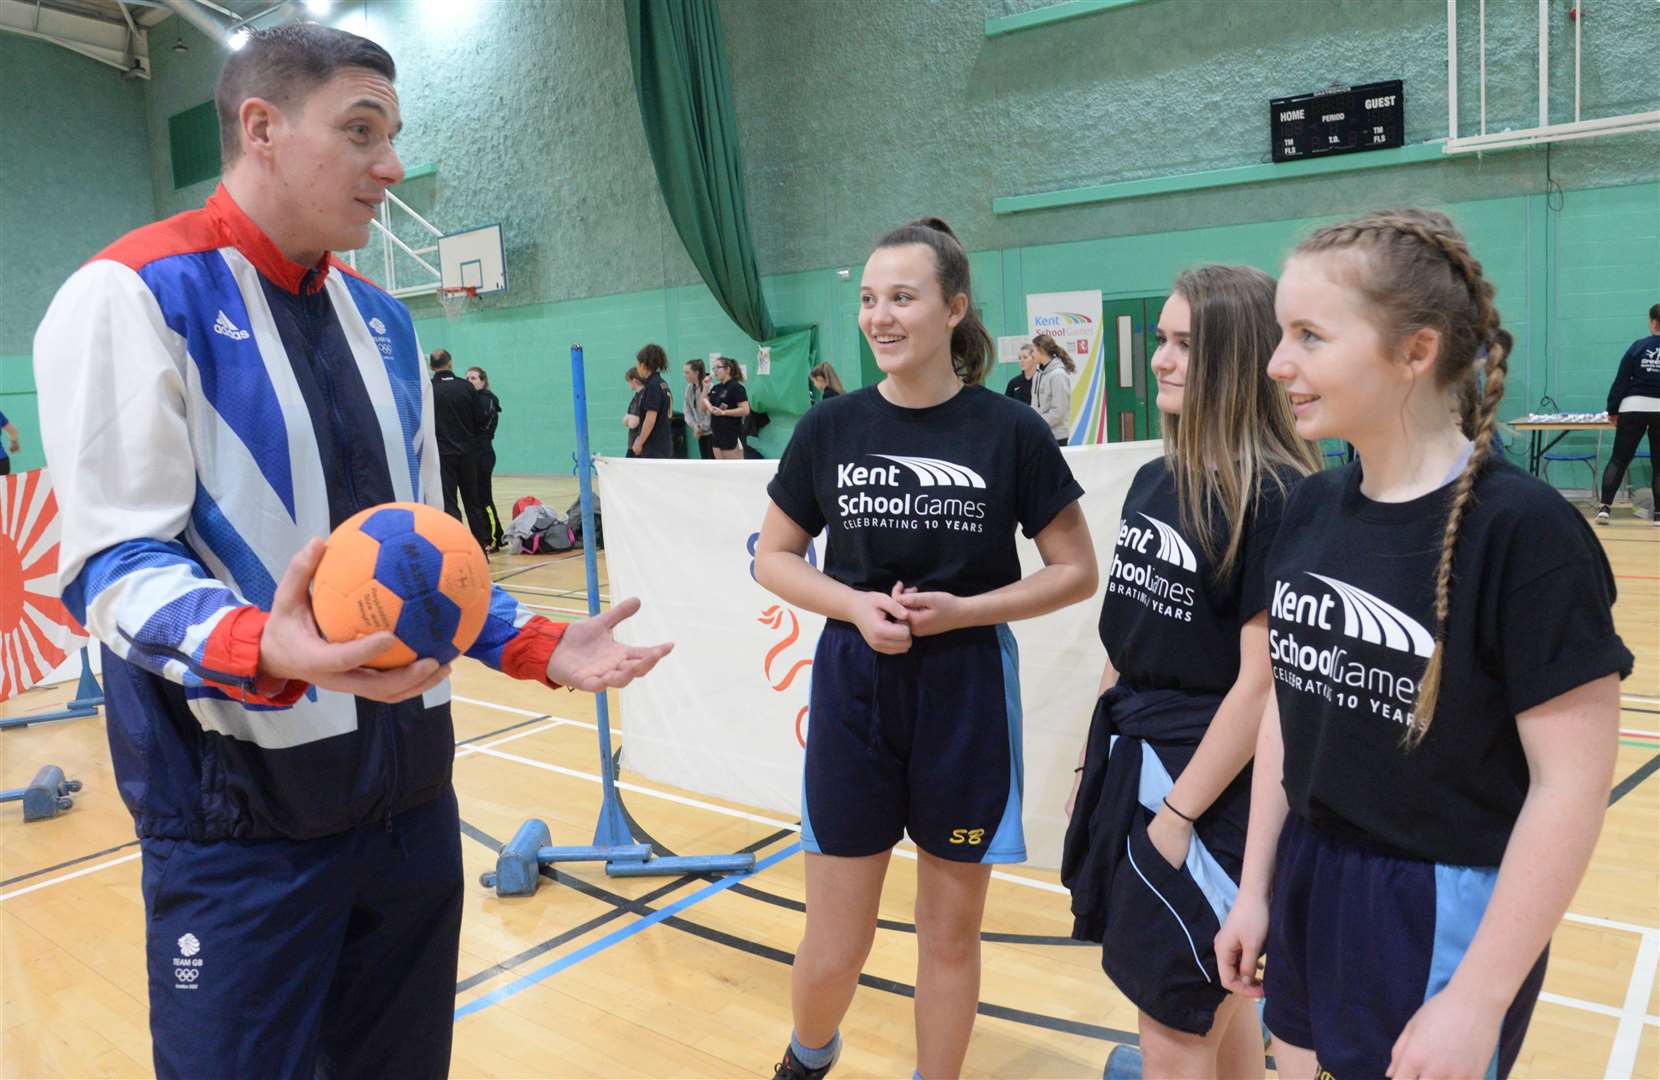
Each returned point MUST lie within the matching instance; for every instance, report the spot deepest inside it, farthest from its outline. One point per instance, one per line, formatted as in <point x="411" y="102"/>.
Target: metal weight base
<point x="520" y="861"/>
<point x="48" y="794"/>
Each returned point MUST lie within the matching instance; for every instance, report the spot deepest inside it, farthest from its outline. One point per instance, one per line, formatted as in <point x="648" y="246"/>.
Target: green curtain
<point x="685" y="94"/>
<point x="783" y="390"/>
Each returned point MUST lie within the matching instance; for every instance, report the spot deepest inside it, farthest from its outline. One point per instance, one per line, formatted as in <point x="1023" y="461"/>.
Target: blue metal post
<point x="88" y="696"/>
<point x="612" y="830"/>
<point x="519" y="862"/>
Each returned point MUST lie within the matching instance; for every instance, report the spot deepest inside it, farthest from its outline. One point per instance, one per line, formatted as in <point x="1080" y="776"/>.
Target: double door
<point x="1129" y="338"/>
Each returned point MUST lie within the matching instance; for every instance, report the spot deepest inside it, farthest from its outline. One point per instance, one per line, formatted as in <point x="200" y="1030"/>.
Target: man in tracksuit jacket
<point x="217" y="393"/>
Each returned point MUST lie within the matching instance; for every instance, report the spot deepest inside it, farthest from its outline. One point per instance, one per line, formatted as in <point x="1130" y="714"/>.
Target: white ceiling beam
<point x="97" y="39"/>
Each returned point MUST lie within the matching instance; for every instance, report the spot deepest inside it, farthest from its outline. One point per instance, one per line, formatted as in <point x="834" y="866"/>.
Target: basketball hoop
<point x="457" y="301"/>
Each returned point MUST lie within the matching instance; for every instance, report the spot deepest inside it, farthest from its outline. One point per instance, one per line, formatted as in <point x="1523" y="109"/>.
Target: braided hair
<point x="1415" y="272"/>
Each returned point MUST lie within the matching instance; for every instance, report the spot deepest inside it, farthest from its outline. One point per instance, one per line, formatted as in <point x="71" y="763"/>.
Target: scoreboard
<point x="1337" y="120"/>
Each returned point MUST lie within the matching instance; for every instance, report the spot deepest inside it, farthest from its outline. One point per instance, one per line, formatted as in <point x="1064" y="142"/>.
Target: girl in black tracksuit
<point x="487" y="452"/>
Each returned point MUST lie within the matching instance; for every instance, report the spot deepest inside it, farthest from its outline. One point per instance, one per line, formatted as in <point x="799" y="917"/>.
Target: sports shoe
<point x="1124" y="1063"/>
<point x="791" y="1069"/>
<point x="1602" y="515"/>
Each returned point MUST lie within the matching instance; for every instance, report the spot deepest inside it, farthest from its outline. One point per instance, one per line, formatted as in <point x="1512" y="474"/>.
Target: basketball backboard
<point x="474" y="259"/>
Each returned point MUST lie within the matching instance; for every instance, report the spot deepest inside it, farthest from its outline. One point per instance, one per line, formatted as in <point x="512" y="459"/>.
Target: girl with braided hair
<point x="1432" y="769"/>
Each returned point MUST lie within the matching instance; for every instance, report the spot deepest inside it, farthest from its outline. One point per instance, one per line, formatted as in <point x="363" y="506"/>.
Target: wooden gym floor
<point x="674" y="977"/>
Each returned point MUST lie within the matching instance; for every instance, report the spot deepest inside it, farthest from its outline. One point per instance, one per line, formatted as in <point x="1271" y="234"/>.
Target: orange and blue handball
<point x="408" y="568"/>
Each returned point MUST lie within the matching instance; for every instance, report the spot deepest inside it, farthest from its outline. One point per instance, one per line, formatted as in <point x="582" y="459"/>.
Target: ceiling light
<point x="238" y="39"/>
<point x="318" y="7"/>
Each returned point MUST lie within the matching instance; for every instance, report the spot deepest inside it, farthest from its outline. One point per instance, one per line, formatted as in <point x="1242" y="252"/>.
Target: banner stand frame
<point x="614" y="843"/>
<point x="88" y="697"/>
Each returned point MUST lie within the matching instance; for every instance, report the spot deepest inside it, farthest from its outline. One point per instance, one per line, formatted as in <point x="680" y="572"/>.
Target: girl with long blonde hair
<point x="1158" y="822"/>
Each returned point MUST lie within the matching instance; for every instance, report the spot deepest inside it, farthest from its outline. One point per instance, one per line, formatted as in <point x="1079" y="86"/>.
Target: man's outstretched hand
<point x="590" y="658"/>
<point x="291" y="648"/>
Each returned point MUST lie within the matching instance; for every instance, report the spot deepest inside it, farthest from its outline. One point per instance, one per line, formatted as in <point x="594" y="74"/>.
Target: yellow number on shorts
<point x="968" y="836"/>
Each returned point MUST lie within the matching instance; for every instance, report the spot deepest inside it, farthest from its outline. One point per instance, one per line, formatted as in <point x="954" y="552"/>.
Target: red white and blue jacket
<point x="207" y="407"/>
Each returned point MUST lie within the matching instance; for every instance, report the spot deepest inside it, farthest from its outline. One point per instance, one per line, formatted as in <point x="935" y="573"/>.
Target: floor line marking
<point x="526" y="981"/>
<point x="61" y="878"/>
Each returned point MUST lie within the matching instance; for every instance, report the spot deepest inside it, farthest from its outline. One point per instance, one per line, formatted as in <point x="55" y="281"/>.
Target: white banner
<point x="725" y="713"/>
<point x="1073" y="319"/>
<point x="1008" y="347"/>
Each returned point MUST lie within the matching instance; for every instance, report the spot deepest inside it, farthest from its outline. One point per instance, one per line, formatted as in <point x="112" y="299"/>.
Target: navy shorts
<point x="326" y="957"/>
<point x="926" y="743"/>
<point x="1358" y="940"/>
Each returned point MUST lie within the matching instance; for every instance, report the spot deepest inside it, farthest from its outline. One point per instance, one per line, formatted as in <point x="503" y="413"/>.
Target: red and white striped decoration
<point x="37" y="633"/>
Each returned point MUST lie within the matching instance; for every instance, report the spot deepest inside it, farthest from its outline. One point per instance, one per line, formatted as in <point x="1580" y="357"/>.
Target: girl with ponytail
<point x="920" y="482"/>
<point x="1052" y="387"/>
<point x="1432" y="769"/>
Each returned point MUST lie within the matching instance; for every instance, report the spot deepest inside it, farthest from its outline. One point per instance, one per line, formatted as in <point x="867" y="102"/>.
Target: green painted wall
<point x="865" y="114"/>
<point x="855" y="115"/>
<point x="543" y="137"/>
<point x="75" y="176"/>
<point x="179" y="81"/>
<point x="1575" y="273"/>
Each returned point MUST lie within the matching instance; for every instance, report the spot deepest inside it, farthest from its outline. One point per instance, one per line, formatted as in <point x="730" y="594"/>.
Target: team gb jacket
<point x="207" y="407"/>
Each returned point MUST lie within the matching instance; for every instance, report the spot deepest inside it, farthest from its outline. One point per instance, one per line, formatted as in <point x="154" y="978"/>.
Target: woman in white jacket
<point x="1052" y="387"/>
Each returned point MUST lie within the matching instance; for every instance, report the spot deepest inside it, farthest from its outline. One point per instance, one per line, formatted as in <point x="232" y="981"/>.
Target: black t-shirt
<point x="1351" y="623"/>
<point x="1020" y="388"/>
<point x="930" y="497"/>
<point x="1167" y="622"/>
<point x="727" y="395"/>
<point x="492" y="416"/>
<point x="654" y="398"/>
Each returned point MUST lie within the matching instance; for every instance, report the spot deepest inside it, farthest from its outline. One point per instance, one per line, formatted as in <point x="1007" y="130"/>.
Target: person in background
<point x="697" y="407"/>
<point x="486" y="460"/>
<point x="11" y="446"/>
<point x="631" y="418"/>
<point x="826" y="381"/>
<point x="1020" y="387"/>
<point x="1634" y="406"/>
<point x="1052" y="386"/>
<point x="459" y="414"/>
<point x="728" y="404"/>
<point x="653" y="440"/>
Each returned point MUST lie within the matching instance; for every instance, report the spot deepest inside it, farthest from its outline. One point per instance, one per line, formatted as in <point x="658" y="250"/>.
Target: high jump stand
<point x="519" y="864"/>
<point x="88" y="696"/>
